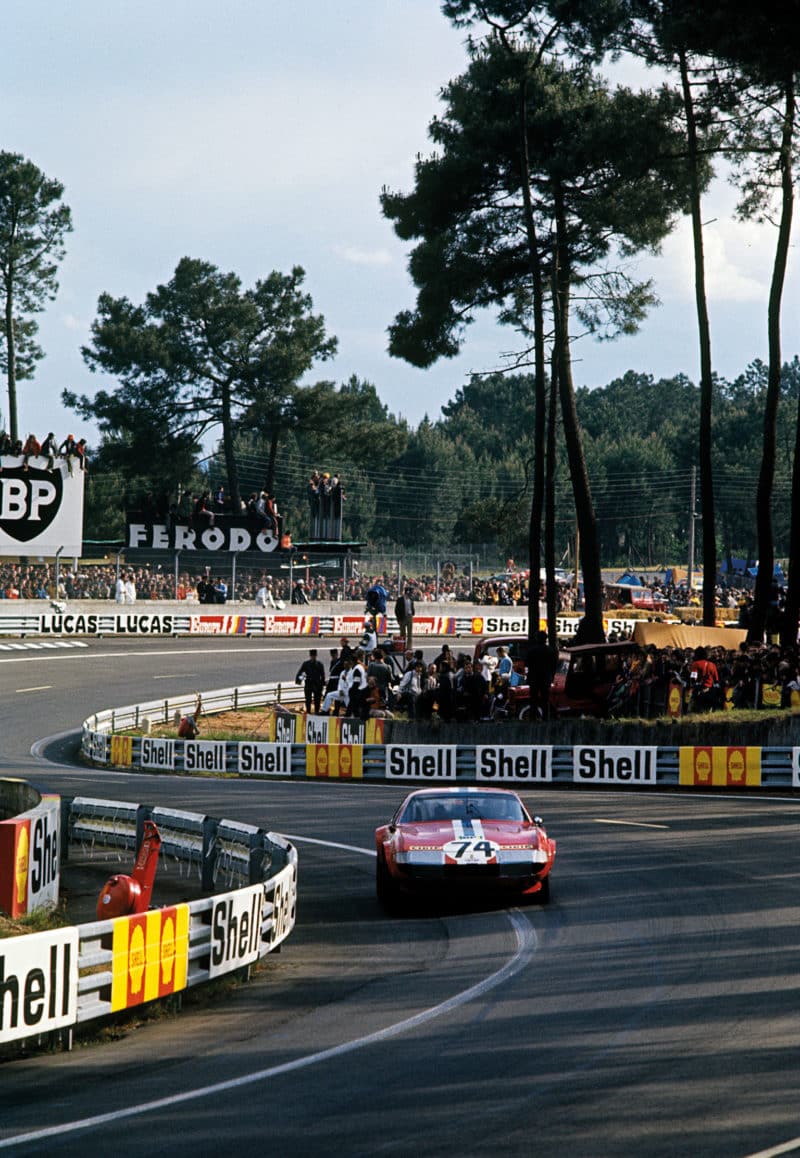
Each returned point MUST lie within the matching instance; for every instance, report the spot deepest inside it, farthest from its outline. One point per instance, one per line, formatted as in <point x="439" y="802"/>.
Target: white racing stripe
<point x="525" y="948"/>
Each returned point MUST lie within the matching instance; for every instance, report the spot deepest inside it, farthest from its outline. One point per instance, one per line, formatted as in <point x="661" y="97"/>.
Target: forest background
<point x="544" y="181"/>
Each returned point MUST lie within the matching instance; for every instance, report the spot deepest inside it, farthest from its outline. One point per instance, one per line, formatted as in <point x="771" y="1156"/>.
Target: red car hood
<point x="437" y="833"/>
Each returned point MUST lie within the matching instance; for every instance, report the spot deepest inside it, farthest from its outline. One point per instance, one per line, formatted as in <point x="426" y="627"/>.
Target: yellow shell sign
<point x="334" y="761"/>
<point x="150" y="955"/>
<point x="719" y="767"/>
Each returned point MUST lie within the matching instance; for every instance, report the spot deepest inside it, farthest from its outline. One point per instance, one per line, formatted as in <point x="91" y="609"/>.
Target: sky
<point x="257" y="135"/>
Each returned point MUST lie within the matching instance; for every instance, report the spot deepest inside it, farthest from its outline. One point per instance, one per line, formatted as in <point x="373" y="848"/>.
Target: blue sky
<point x="257" y="135"/>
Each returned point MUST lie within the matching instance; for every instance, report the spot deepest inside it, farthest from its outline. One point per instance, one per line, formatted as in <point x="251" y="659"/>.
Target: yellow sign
<point x="122" y="750"/>
<point x="150" y="955"/>
<point x="334" y="761"/>
<point x="718" y="767"/>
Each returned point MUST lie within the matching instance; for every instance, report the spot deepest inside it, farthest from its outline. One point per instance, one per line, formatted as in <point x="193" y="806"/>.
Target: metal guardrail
<point x="191" y="942"/>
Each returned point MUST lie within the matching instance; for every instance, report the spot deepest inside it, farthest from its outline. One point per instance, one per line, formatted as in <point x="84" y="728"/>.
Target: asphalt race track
<point x="652" y="1009"/>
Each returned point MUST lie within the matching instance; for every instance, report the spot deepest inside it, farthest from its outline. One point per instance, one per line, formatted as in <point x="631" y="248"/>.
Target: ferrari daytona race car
<point x="463" y="838"/>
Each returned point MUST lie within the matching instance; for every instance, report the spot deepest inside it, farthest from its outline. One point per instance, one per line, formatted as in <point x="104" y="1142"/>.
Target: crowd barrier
<point x="169" y="620"/>
<point x="52" y="981"/>
<point x="326" y="747"/>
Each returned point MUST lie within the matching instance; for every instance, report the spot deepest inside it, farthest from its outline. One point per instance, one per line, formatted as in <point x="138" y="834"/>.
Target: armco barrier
<point x="51" y="981"/>
<point x="498" y="759"/>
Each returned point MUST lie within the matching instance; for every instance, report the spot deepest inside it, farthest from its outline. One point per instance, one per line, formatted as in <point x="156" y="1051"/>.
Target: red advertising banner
<point x="291" y="624"/>
<point x="218" y="625"/>
<point x="15" y="838"/>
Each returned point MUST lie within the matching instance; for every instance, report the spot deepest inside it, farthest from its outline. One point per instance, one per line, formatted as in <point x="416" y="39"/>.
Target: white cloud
<point x="355" y="256"/>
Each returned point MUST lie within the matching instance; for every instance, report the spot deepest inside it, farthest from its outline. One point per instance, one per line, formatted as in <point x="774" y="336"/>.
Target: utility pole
<point x="692" y="498"/>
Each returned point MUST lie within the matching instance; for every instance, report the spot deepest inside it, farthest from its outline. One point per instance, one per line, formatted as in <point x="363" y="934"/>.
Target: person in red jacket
<point x="705" y="681"/>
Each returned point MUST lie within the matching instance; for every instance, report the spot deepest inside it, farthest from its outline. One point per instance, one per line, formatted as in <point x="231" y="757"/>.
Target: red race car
<point x="467" y="838"/>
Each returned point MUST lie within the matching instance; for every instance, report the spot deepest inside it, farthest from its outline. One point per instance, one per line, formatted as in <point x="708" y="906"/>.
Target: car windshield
<point x="471" y="807"/>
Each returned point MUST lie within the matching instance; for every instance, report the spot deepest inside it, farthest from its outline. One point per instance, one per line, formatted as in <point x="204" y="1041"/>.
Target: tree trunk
<point x="706" y="380"/>
<point x="766" y="477"/>
<point x="269" y="481"/>
<point x="537" y="282"/>
<point x="584" y="509"/>
<point x="550" y="506"/>
<point x="11" y="358"/>
<point x="231" y="467"/>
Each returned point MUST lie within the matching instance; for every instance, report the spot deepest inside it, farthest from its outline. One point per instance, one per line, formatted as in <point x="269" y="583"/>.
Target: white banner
<point x="44" y="855"/>
<point x="38" y="983"/>
<point x="41" y="511"/>
<point x="204" y="755"/>
<point x="157" y="753"/>
<point x="235" y="929"/>
<point x="262" y="759"/>
<point x="625" y="765"/>
<point x="412" y="761"/>
<point x="514" y="762"/>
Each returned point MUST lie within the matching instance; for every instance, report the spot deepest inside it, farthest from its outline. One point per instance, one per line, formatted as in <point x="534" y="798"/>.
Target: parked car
<point x="470" y="839"/>
<point x="627" y="596"/>
<point x="584" y="678"/>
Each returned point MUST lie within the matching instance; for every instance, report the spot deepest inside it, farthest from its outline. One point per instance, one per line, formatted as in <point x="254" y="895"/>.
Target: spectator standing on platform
<point x="337" y="504"/>
<point x="312" y="676"/>
<point x="130" y="588"/>
<point x="119" y="588"/>
<point x="404" y="614"/>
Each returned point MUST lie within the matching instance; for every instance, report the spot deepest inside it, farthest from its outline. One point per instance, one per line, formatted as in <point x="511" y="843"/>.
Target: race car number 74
<point x="474" y="851"/>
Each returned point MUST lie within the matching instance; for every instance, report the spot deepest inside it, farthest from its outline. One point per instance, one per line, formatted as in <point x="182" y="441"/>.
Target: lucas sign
<point x="41" y="511"/>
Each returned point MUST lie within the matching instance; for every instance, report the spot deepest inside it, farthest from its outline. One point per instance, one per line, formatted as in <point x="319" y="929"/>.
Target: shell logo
<point x="22" y="865"/>
<point x="736" y="769"/>
<point x="674" y="700"/>
<point x="136" y="959"/>
<point x="345" y="761"/>
<point x="702" y="766"/>
<point x="167" y="951"/>
<point x="477" y="625"/>
<point x="322" y="760"/>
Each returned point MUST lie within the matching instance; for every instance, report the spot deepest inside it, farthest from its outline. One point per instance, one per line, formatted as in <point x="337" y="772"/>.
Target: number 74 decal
<point x="474" y="851"/>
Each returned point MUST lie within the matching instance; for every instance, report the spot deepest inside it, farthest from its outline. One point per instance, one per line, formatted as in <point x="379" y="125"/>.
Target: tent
<point x="688" y="635"/>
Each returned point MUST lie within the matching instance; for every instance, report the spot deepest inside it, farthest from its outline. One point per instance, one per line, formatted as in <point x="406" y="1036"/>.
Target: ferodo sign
<point x="628" y="765"/>
<point x="235" y="929"/>
<point x="149" y="956"/>
<point x="225" y="536"/>
<point x="38" y="983"/>
<point x="719" y="767"/>
<point x="41" y="511"/>
<point x="521" y="762"/>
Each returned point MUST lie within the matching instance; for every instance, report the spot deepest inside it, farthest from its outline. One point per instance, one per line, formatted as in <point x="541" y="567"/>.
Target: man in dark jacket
<point x="312" y="676"/>
<point x="404" y="614"/>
